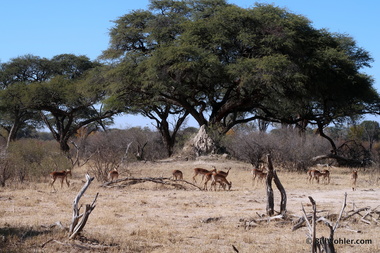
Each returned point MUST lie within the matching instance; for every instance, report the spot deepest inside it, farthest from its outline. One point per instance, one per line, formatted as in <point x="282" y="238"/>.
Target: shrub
<point x="289" y="149"/>
<point x="31" y="159"/>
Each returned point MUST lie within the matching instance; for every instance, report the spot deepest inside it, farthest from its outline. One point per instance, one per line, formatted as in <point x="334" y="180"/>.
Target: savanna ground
<point x="151" y="217"/>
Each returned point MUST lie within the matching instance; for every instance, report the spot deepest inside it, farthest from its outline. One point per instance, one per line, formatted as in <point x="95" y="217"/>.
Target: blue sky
<point x="47" y="28"/>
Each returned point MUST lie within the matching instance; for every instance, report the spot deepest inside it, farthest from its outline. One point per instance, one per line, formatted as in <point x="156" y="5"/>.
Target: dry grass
<point x="148" y="217"/>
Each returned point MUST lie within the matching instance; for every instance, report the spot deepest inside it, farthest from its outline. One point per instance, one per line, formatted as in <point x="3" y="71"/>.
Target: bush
<point x="32" y="159"/>
<point x="289" y="149"/>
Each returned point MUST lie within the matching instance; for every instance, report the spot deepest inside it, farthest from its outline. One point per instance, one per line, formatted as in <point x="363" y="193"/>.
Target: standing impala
<point x="314" y="174"/>
<point x="259" y="174"/>
<point x="177" y="175"/>
<point x="203" y="172"/>
<point x="207" y="178"/>
<point x="326" y="176"/>
<point x="225" y="174"/>
<point x="113" y="174"/>
<point x="61" y="175"/>
<point x="354" y="177"/>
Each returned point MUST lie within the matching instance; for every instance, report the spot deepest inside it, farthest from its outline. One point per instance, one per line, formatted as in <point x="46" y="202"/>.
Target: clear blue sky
<point x="47" y="28"/>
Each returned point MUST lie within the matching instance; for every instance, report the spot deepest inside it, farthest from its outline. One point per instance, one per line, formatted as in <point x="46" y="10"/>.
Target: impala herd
<point x="217" y="177"/>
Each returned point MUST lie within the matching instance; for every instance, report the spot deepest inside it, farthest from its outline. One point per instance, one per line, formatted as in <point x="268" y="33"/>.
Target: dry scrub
<point x="149" y="217"/>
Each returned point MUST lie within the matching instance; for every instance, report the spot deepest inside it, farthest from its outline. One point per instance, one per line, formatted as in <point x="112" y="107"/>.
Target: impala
<point x="113" y="174"/>
<point x="326" y="176"/>
<point x="354" y="177"/>
<point x="208" y="177"/>
<point x="177" y="175"/>
<point x="203" y="172"/>
<point x="259" y="174"/>
<point x="225" y="174"/>
<point x="61" y="175"/>
<point x="314" y="174"/>
<point x="217" y="178"/>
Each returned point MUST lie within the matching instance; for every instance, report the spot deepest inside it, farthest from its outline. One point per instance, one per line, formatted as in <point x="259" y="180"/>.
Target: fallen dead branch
<point x="123" y="182"/>
<point x="253" y="222"/>
<point x="327" y="245"/>
<point x="82" y="246"/>
<point x="74" y="245"/>
<point x="342" y="161"/>
<point x="367" y="215"/>
<point x="370" y="215"/>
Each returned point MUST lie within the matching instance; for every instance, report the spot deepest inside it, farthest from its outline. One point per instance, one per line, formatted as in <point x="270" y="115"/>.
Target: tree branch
<point x="79" y="220"/>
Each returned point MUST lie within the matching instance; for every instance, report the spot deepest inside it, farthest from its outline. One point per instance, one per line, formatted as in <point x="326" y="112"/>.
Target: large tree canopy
<point x="65" y="93"/>
<point x="15" y="76"/>
<point x="227" y="65"/>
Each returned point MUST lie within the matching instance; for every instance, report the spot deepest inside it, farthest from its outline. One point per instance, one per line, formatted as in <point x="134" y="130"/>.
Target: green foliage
<point x="61" y="93"/>
<point x="227" y="65"/>
<point x="33" y="159"/>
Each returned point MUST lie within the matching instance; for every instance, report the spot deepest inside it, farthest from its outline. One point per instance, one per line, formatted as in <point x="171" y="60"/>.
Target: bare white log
<point x="126" y="153"/>
<point x="313" y="226"/>
<point x="341" y="212"/>
<point x="327" y="245"/>
<point x="305" y="218"/>
<point x="79" y="220"/>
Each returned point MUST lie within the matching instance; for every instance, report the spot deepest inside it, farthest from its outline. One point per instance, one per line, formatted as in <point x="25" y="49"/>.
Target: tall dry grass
<point x="150" y="217"/>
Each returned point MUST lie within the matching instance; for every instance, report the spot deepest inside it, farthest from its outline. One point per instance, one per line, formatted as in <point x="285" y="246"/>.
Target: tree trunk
<point x="13" y="132"/>
<point x="322" y="134"/>
<point x="270" y="202"/>
<point x="282" y="191"/>
<point x="64" y="146"/>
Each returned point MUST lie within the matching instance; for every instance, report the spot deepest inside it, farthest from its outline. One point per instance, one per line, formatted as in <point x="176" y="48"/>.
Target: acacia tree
<point x="71" y="98"/>
<point x="226" y="65"/>
<point x="15" y="75"/>
<point x="168" y="129"/>
<point x="366" y="131"/>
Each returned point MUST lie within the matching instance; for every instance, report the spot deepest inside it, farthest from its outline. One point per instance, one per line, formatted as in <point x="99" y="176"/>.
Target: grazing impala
<point x="113" y="174"/>
<point x="217" y="178"/>
<point x="203" y="172"/>
<point x="61" y="175"/>
<point x="354" y="177"/>
<point x="223" y="173"/>
<point x="177" y="175"/>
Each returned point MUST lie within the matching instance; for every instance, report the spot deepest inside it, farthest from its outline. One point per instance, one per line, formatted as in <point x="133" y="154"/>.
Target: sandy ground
<point x="148" y="217"/>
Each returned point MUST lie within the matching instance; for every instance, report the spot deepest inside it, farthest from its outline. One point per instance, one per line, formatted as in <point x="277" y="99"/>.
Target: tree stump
<point x="80" y="220"/>
<point x="270" y="202"/>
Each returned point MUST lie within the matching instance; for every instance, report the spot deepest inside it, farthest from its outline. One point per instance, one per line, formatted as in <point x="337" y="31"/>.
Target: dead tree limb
<point x="314" y="245"/>
<point x="356" y="212"/>
<point x="342" y="161"/>
<point x="79" y="220"/>
<point x="157" y="180"/>
<point x="126" y="153"/>
<point x="272" y="174"/>
<point x="270" y="200"/>
<point x="341" y="211"/>
<point x="326" y="243"/>
<point x="282" y="191"/>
